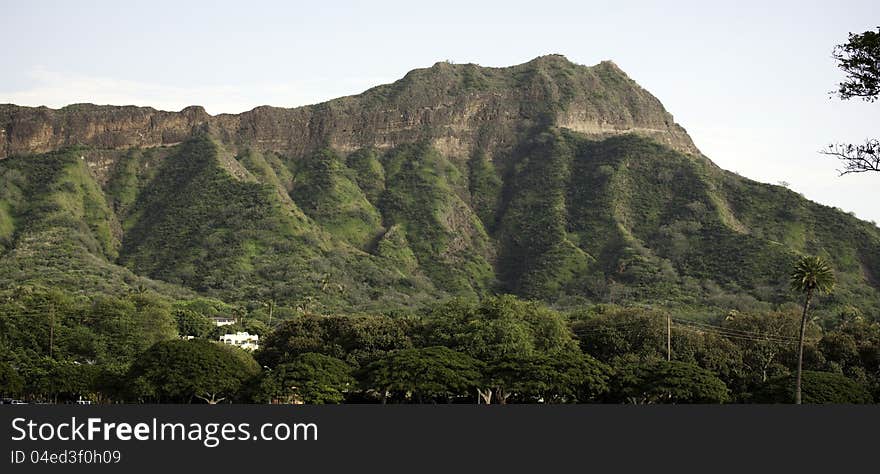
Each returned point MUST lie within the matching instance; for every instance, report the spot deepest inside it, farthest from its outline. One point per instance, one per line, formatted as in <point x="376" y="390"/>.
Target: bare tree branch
<point x="213" y="400"/>
<point x="856" y="158"/>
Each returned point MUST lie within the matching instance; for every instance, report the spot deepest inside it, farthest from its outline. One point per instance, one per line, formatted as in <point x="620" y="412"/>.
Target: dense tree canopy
<point x="608" y="331"/>
<point x="191" y="323"/>
<point x="818" y="388"/>
<point x="565" y="377"/>
<point x="10" y="382"/>
<point x="356" y="339"/>
<point x="309" y="378"/>
<point x="182" y="370"/>
<point x="426" y="374"/>
<point x="496" y="331"/>
<point x="59" y="347"/>
<point x="667" y="382"/>
<point x="768" y="341"/>
<point x="497" y="327"/>
<point x="65" y="346"/>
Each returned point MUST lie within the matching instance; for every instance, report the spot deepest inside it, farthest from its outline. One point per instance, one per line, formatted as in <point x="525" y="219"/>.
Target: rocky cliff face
<point x="548" y="180"/>
<point x="455" y="107"/>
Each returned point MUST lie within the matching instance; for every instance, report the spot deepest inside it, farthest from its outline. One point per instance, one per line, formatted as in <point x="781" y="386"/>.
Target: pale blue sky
<point x="748" y="80"/>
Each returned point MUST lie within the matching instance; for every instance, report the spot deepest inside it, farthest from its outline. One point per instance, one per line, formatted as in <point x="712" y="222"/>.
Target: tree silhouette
<point x="859" y="59"/>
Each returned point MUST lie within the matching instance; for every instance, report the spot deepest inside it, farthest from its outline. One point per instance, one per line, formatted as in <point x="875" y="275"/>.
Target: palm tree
<point x="811" y="274"/>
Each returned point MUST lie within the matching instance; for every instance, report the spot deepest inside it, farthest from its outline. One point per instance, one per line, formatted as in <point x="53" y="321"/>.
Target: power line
<point x="759" y="338"/>
<point x="604" y="325"/>
<point x="695" y="326"/>
<point x="730" y="336"/>
<point x="735" y="332"/>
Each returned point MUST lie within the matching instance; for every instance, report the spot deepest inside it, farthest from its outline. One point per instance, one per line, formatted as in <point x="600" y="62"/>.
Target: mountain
<point x="549" y="180"/>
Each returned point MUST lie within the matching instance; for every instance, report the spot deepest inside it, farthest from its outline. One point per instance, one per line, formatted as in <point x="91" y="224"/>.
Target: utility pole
<point x="668" y="337"/>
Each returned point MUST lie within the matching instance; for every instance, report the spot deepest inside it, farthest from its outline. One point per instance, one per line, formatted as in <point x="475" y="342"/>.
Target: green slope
<point x="58" y="229"/>
<point x="562" y="218"/>
<point x="234" y="234"/>
<point x="456" y="180"/>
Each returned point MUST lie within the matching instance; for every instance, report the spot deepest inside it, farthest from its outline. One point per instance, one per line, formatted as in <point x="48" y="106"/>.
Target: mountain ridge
<point x="548" y="180"/>
<point x="27" y="130"/>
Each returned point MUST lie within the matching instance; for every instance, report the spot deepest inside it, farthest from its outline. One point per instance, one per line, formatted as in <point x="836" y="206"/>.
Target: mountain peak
<point x="553" y="58"/>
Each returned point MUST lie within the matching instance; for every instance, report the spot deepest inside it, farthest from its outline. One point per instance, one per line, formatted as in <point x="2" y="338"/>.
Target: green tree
<point x="357" y="339"/>
<point x="154" y="321"/>
<point x="864" y="364"/>
<point x="811" y="275"/>
<point x="10" y="382"/>
<point x="54" y="380"/>
<point x="497" y="329"/>
<point x="190" y="323"/>
<point x="713" y="352"/>
<point x="110" y="383"/>
<point x="424" y="374"/>
<point x="608" y="332"/>
<point x="766" y="339"/>
<point x="73" y="380"/>
<point x="182" y="370"/>
<point x="818" y="388"/>
<point x="132" y="324"/>
<point x="666" y="382"/>
<point x="567" y="377"/>
<point x="310" y="378"/>
<point x="292" y="338"/>
<point x="35" y="322"/>
<point x="840" y="349"/>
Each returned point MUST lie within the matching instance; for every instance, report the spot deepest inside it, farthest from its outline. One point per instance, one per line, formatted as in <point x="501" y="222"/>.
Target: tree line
<point x="498" y="350"/>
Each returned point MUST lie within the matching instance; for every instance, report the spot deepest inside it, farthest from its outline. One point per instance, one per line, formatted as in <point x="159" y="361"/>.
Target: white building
<point x="221" y="321"/>
<point x="244" y="340"/>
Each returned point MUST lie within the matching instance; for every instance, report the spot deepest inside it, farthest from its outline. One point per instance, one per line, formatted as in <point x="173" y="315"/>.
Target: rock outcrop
<point x="453" y="106"/>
